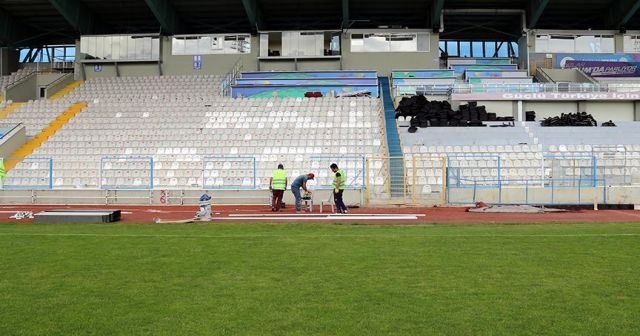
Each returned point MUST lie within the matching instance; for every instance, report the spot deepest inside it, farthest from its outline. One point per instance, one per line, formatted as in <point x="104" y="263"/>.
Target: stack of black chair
<point x="425" y="113"/>
<point x="570" y="119"/>
<point x="530" y="115"/>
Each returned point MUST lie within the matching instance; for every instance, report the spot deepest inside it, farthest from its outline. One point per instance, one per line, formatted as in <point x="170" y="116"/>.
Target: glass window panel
<point x="228" y="44"/>
<point x="58" y="52"/>
<point x="289" y="44"/>
<point x="91" y="46"/>
<point x="131" y="48"/>
<point x="108" y="54"/>
<point x="516" y="48"/>
<point x="204" y="45"/>
<point x="191" y="46"/>
<point x="542" y="43"/>
<point x="476" y="49"/>
<point x="155" y="48"/>
<point x="562" y="44"/>
<point x="424" y="42"/>
<point x="24" y="52"/>
<point x="334" y="46"/>
<point x="146" y="48"/>
<point x="115" y="47"/>
<point x="489" y="48"/>
<point x="99" y="47"/>
<point x="587" y="44"/>
<point x="139" y="48"/>
<point x="357" y="42"/>
<point x="503" y="49"/>
<point x="244" y="44"/>
<point x="607" y="44"/>
<point x="465" y="49"/>
<point x="177" y="46"/>
<point x="452" y="48"/>
<point x="631" y="43"/>
<point x="217" y="43"/>
<point x="308" y="44"/>
<point x="71" y="53"/>
<point x="376" y="42"/>
<point x="84" y="44"/>
<point x="403" y="42"/>
<point x="123" y="47"/>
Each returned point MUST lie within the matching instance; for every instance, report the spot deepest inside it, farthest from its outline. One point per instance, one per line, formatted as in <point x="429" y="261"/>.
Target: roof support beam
<point x="345" y="14"/>
<point x="254" y="14"/>
<point x="14" y="33"/>
<point x="436" y="13"/>
<point x="534" y="11"/>
<point x="165" y="13"/>
<point x="620" y="12"/>
<point x="78" y="16"/>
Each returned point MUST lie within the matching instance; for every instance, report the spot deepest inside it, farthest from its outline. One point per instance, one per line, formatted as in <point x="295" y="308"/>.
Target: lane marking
<point x="325" y="217"/>
<point x="314" y="236"/>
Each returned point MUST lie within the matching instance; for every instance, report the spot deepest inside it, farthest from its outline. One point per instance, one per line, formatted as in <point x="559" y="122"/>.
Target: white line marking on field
<point x="627" y="213"/>
<point x="272" y="215"/>
<point x="325" y="217"/>
<point x="316" y="236"/>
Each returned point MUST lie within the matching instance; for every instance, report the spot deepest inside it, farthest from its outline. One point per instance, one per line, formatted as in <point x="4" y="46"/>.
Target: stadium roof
<point x="34" y="22"/>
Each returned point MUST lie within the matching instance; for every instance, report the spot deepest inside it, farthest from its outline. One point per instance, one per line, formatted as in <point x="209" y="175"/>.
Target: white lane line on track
<point x="329" y="217"/>
<point x="315" y="236"/>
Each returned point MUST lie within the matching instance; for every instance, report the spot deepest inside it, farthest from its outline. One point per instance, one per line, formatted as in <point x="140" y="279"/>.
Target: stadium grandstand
<point x="457" y="167"/>
<point x="134" y="98"/>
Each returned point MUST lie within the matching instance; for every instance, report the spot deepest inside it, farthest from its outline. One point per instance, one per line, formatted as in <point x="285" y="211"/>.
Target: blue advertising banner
<point x="298" y="91"/>
<point x="459" y="69"/>
<point x="606" y="69"/>
<point x="495" y="74"/>
<point x="309" y="74"/>
<point x="307" y="81"/>
<point x="561" y="59"/>
<point x="422" y="74"/>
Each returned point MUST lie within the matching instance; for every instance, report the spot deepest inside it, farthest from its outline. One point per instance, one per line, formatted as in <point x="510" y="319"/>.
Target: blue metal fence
<point x="229" y="172"/>
<point x="127" y="172"/>
<point x="31" y="173"/>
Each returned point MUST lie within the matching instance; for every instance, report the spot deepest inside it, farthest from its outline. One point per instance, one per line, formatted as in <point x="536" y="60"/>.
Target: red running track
<point x="148" y="214"/>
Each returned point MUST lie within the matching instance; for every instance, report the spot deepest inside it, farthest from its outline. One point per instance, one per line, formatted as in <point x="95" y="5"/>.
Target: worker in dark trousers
<point x="300" y="183"/>
<point x="277" y="185"/>
<point x="339" y="182"/>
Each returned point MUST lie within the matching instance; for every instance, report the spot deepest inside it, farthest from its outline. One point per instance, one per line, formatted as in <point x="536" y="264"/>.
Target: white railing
<point x="230" y="78"/>
<point x="518" y="88"/>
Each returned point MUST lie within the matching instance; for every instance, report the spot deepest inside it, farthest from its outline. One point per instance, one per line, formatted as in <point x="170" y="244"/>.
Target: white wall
<point x="385" y="62"/>
<point x="175" y="64"/>
<point x="501" y="108"/>
<point x="601" y="111"/>
<point x="549" y="109"/>
<point x="615" y="111"/>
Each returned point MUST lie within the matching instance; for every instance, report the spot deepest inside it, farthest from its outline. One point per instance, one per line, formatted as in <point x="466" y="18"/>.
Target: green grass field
<point x="319" y="280"/>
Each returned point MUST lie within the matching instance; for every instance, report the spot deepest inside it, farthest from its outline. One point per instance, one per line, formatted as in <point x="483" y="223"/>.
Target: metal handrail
<point x="528" y="88"/>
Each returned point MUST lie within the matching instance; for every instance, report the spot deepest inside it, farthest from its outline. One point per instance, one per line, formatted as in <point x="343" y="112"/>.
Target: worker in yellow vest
<point x="277" y="185"/>
<point x="3" y="173"/>
<point x="339" y="183"/>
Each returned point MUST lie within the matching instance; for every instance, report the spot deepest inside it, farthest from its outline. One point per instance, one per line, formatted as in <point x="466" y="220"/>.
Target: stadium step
<point x="396" y="163"/>
<point x="31" y="145"/>
<point x="7" y="110"/>
<point x="66" y="90"/>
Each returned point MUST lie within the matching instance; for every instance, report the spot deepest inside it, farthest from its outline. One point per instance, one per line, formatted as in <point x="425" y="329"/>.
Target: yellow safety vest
<point x="279" y="179"/>
<point x="343" y="179"/>
<point x="3" y="173"/>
